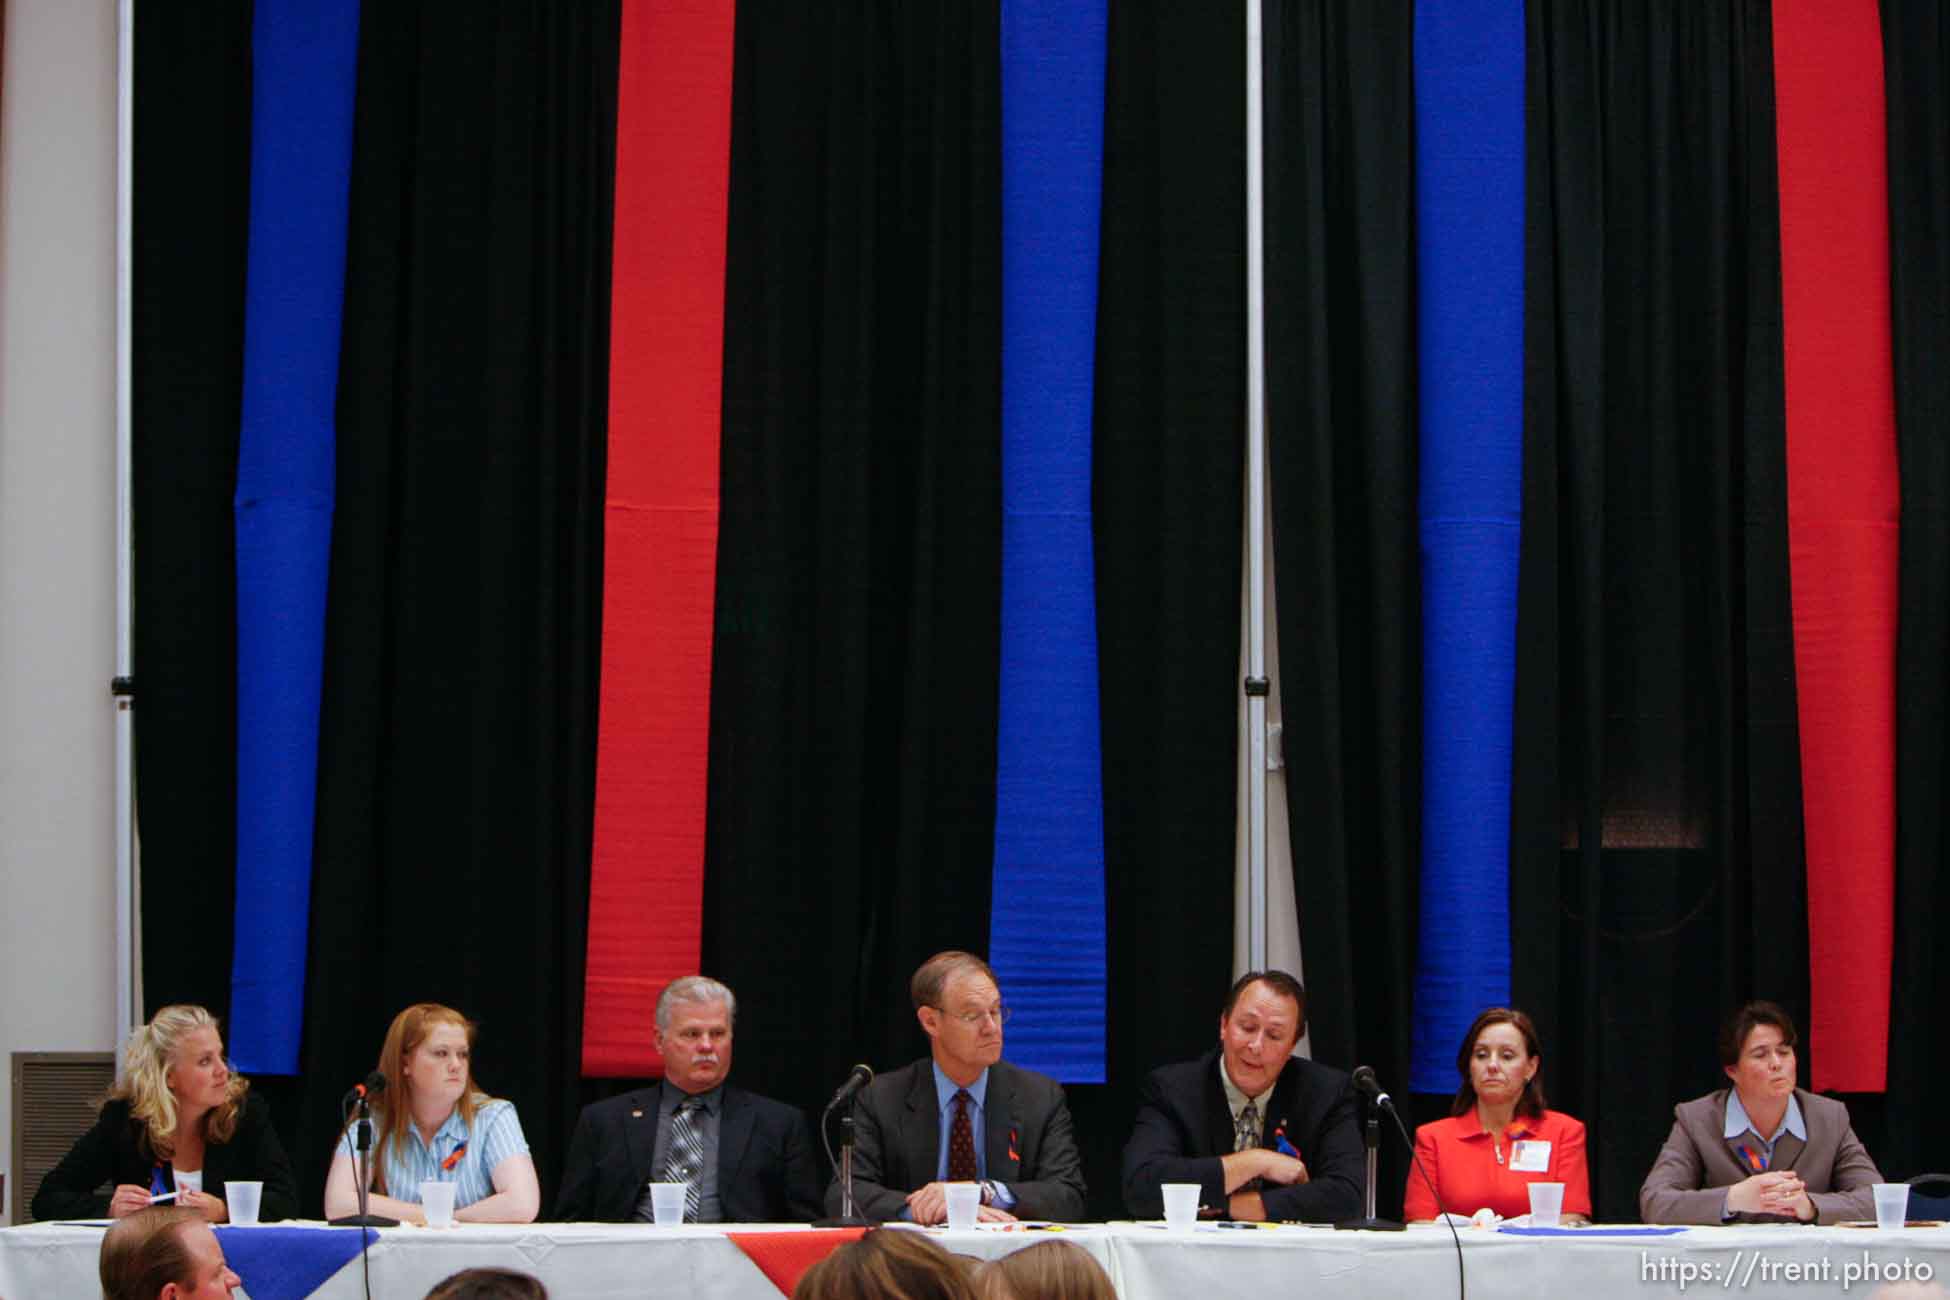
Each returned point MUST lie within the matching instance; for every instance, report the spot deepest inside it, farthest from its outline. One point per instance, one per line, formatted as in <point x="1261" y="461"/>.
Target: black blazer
<point x="1026" y="1130"/>
<point x="1184" y="1126"/>
<point x="113" y="1152"/>
<point x="766" y="1172"/>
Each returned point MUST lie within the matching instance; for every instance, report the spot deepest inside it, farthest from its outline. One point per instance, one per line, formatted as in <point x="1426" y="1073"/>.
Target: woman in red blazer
<point x="1499" y="1137"/>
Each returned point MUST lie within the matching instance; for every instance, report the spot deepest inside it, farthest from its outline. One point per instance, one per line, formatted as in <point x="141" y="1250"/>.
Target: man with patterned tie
<point x="1267" y="1135"/>
<point x="743" y="1158"/>
<point x="963" y="1114"/>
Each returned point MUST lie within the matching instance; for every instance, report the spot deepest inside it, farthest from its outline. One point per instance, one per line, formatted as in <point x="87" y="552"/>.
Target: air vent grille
<point x="56" y="1098"/>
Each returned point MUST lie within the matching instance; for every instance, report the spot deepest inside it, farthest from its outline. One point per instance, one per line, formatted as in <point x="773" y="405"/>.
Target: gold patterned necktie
<point x="1245" y="1130"/>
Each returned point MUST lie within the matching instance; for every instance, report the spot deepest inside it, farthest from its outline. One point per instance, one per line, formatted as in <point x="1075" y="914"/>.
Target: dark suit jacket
<point x="1688" y="1181"/>
<point x="766" y="1172"/>
<point x="1026" y="1130"/>
<point x="114" y="1152"/>
<point x="1184" y="1126"/>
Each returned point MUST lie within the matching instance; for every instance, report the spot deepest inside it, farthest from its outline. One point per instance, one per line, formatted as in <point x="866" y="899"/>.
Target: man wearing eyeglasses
<point x="962" y="1114"/>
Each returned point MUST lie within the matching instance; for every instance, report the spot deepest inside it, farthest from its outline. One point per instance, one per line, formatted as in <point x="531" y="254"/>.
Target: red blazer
<point x="1460" y="1158"/>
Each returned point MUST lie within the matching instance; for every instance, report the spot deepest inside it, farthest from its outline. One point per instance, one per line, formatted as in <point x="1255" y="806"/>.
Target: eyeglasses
<point x="974" y="1019"/>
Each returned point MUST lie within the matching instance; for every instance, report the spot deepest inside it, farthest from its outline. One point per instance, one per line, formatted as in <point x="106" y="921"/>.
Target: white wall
<point x="57" y="533"/>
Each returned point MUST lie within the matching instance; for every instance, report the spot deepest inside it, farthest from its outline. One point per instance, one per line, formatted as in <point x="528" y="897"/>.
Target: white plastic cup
<point x="964" y="1200"/>
<point x="1546" y="1204"/>
<point x="667" y="1203"/>
<point x="438" y="1201"/>
<point x="1181" y="1206"/>
<point x="1892" y="1204"/>
<point x="242" y="1202"/>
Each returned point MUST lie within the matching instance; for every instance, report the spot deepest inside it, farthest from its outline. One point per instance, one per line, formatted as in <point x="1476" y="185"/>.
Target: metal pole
<point x="127" y="1005"/>
<point x="1256" y="683"/>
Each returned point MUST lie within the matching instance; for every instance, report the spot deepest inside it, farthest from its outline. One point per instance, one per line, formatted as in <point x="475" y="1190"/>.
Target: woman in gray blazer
<point x="1763" y="1150"/>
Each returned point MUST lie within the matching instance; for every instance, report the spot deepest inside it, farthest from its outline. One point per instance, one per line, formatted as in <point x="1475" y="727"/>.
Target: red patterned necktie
<point x="961" y="1142"/>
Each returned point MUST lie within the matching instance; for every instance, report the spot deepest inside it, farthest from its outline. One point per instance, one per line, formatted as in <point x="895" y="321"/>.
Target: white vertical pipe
<point x="1255" y="488"/>
<point x="127" y="1007"/>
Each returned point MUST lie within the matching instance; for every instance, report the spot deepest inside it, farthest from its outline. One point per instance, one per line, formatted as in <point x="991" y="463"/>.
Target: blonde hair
<point x="392" y="1110"/>
<point x="1048" y="1270"/>
<point x="146" y="1061"/>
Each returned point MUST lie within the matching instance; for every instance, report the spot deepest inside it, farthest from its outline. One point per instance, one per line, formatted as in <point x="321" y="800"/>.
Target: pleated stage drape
<point x="1656" y="867"/>
<point x="784" y="519"/>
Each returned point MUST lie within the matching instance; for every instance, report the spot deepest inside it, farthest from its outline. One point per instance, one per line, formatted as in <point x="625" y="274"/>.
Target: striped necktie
<point x="684" y="1161"/>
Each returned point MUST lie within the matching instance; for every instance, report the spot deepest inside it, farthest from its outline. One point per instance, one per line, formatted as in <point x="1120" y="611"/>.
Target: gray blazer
<point x="1688" y="1181"/>
<point x="1029" y="1141"/>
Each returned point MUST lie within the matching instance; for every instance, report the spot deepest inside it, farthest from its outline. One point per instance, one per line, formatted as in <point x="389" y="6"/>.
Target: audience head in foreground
<point x="1049" y="1270"/>
<point x="887" y="1264"/>
<point x="164" y="1252"/>
<point x="489" y="1284"/>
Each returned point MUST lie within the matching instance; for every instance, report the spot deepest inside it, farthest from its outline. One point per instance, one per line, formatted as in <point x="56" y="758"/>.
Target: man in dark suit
<point x="962" y="1114"/>
<point x="746" y="1158"/>
<point x="1266" y="1135"/>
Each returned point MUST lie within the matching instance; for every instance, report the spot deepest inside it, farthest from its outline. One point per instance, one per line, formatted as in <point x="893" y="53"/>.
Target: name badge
<point x="1530" y="1157"/>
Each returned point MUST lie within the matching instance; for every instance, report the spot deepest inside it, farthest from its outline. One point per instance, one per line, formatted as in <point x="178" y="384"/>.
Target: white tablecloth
<point x="598" y="1262"/>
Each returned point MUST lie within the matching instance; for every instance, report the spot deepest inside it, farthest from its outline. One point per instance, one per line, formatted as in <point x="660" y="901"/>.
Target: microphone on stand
<point x="374" y="1084"/>
<point x="861" y="1076"/>
<point x="1368" y="1086"/>
<point x="359" y="1096"/>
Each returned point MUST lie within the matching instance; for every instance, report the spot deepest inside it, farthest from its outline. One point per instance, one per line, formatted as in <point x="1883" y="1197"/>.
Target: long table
<point x="601" y="1262"/>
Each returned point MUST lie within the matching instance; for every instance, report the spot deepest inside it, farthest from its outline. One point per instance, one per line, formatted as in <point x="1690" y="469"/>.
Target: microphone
<point x="360" y="1132"/>
<point x="843" y="1167"/>
<point x="1366" y="1084"/>
<point x="374" y="1083"/>
<point x="862" y="1076"/>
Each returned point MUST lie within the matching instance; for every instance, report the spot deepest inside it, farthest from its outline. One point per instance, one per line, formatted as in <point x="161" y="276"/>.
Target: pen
<point x="166" y="1196"/>
<point x="1237" y="1223"/>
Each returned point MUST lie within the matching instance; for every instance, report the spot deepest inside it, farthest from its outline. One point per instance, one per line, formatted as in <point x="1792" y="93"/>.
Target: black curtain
<point x="850" y="825"/>
<point x="1657" y="873"/>
<point x="192" y="202"/>
<point x="456" y="760"/>
<point x="1340" y="293"/>
<point x="1916" y="62"/>
<point x="1167" y="497"/>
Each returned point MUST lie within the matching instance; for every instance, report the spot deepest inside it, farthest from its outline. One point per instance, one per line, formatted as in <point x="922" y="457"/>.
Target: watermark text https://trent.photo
<point x="1748" y="1267"/>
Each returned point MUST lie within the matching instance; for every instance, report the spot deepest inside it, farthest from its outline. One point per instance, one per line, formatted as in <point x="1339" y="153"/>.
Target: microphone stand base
<point x="363" y="1221"/>
<point x="1370" y="1225"/>
<point x="843" y="1221"/>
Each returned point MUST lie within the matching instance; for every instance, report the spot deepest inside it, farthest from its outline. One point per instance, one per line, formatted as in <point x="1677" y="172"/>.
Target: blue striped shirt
<point x="495" y="1136"/>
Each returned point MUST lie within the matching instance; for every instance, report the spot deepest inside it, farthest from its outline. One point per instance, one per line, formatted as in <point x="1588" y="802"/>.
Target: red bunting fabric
<point x="1843" y="509"/>
<point x="673" y="148"/>
<point x="784" y="1257"/>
